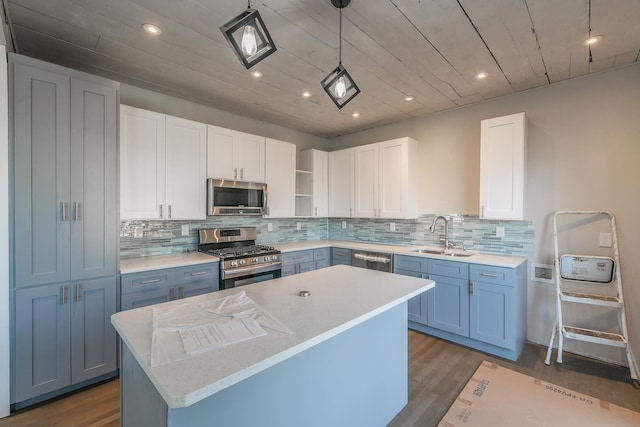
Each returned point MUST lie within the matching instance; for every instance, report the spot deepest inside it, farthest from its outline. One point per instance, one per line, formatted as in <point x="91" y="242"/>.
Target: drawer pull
<point x="148" y="282"/>
<point x="199" y="273"/>
<point x="489" y="274"/>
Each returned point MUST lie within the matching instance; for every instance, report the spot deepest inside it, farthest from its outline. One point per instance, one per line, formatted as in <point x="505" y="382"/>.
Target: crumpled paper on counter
<point x="166" y="343"/>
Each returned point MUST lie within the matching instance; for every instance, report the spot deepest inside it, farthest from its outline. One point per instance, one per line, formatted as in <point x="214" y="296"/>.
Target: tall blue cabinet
<point x="63" y="128"/>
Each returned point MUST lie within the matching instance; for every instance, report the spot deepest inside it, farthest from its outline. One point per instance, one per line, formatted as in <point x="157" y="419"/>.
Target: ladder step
<point x="598" y="337"/>
<point x="591" y="299"/>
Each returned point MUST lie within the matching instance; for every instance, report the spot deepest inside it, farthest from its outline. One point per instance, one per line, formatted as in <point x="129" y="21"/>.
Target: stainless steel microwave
<point x="225" y="197"/>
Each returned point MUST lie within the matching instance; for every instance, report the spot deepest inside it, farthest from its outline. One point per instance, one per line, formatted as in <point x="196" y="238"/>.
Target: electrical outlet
<point x="298" y="226"/>
<point x="605" y="240"/>
<point x="269" y="226"/>
<point x="344" y="224"/>
<point x="185" y="229"/>
<point x="500" y="231"/>
<point x="392" y="226"/>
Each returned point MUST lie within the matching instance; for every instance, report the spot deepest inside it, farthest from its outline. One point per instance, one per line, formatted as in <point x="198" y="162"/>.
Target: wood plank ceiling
<point x="430" y="49"/>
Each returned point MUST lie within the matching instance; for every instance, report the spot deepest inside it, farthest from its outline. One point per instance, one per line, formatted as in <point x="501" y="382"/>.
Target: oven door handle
<point x="238" y="272"/>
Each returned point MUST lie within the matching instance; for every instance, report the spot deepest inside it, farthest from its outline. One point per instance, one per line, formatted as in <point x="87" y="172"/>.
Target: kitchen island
<point x="344" y="364"/>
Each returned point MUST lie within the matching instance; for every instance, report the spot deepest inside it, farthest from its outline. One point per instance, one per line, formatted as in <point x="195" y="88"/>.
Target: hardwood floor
<point x="438" y="370"/>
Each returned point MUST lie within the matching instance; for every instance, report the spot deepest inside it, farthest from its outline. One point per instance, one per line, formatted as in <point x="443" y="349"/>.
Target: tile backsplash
<point x="146" y="238"/>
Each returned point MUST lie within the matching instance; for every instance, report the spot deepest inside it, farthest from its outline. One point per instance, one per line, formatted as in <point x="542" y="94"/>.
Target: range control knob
<point x="254" y="260"/>
<point x="233" y="263"/>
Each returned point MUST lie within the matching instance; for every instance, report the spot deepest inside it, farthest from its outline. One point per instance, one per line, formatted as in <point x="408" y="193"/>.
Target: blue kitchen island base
<point x="359" y="377"/>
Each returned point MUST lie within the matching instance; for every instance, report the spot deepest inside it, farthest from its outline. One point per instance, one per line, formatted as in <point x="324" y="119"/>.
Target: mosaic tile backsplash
<point x="147" y="238"/>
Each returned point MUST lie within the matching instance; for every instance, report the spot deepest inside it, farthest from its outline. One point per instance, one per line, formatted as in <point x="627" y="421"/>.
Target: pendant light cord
<point x="340" y="50"/>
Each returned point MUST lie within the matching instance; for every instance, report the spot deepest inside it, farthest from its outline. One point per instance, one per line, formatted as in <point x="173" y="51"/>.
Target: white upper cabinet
<point x="280" y="174"/>
<point x="397" y="163"/>
<point x="162" y="166"/>
<point x="503" y="167"/>
<point x="312" y="184"/>
<point x="142" y="159"/>
<point x="186" y="169"/>
<point x="341" y="181"/>
<point x="235" y="155"/>
<point x="366" y="181"/>
<point x="385" y="176"/>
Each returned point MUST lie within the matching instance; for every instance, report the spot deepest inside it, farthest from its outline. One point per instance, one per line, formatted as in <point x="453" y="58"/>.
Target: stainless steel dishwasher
<point x="372" y="260"/>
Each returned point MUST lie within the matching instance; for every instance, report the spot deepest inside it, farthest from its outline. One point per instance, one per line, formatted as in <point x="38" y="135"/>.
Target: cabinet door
<point x="42" y="160"/>
<point x="93" y="339"/>
<point x="280" y="174"/>
<point x="366" y="181"/>
<point x="142" y="164"/>
<point x="341" y="182"/>
<point x="320" y="183"/>
<point x="448" y="305"/>
<point x="493" y="317"/>
<point x="392" y="178"/>
<point x="42" y="340"/>
<point x="418" y="306"/>
<point x="186" y="169"/>
<point x="250" y="157"/>
<point x="340" y="256"/>
<point x="146" y="298"/>
<point x="220" y="153"/>
<point x="93" y="180"/>
<point x="502" y="167"/>
<point x="197" y="288"/>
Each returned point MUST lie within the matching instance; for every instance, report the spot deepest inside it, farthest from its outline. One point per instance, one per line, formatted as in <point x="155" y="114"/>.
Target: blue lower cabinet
<point x="340" y="256"/>
<point x="480" y="306"/>
<point x="417" y="307"/>
<point x="158" y="286"/>
<point x="63" y="335"/>
<point x="493" y="313"/>
<point x="449" y="305"/>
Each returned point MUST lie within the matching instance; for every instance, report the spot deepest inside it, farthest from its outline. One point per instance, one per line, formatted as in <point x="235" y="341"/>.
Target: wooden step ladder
<point x="576" y="274"/>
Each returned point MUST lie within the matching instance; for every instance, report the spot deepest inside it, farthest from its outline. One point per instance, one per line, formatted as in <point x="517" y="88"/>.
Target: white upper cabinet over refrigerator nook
<point x="235" y="155"/>
<point x="341" y="181"/>
<point x="503" y="142"/>
<point x="280" y="174"/>
<point x="162" y="166"/>
<point x="385" y="176"/>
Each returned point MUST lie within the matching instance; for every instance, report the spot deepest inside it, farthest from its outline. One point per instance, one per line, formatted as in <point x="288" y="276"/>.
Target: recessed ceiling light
<point x="306" y="94"/>
<point x="256" y="74"/>
<point x="356" y="114"/>
<point x="154" y="30"/>
<point x="593" y="39"/>
<point x="481" y="76"/>
<point x="409" y="98"/>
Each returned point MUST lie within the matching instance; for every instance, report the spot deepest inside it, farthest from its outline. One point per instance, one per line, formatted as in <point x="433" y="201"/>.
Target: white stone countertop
<point x="341" y="298"/>
<point x="137" y="265"/>
<point x="476" y="258"/>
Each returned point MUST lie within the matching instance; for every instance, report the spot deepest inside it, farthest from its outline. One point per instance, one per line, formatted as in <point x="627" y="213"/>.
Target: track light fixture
<point x="338" y="84"/>
<point x="248" y="36"/>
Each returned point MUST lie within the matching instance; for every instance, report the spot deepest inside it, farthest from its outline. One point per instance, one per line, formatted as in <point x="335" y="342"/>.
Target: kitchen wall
<point x="154" y="101"/>
<point x="583" y="153"/>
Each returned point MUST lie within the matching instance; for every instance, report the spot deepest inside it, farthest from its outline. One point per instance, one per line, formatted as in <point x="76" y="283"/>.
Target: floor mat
<point x="497" y="396"/>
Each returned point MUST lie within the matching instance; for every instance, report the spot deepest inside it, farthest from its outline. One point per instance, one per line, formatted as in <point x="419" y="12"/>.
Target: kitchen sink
<point x="450" y="252"/>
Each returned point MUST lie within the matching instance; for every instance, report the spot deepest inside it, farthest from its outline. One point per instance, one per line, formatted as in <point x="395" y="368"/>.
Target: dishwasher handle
<point x="372" y="258"/>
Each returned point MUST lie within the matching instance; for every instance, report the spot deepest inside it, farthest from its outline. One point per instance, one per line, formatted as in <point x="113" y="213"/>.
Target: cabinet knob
<point x="78" y="292"/>
<point x="470" y="288"/>
<point x="65" y="211"/>
<point x="169" y="211"/>
<point x="160" y="211"/>
<point x="235" y="173"/>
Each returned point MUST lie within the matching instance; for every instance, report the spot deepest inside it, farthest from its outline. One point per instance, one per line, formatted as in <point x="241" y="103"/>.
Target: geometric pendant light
<point x="338" y="84"/>
<point x="248" y="36"/>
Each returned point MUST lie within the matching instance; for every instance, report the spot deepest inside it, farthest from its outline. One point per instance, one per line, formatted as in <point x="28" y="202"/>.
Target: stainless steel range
<point x="242" y="262"/>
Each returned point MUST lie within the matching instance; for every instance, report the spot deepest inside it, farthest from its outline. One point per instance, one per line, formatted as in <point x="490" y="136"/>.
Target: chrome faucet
<point x="432" y="228"/>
